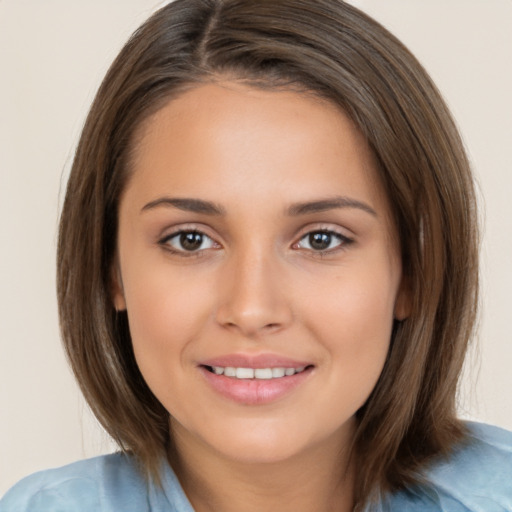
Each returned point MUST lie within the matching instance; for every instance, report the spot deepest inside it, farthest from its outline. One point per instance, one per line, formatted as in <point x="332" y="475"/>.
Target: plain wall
<point x="54" y="53"/>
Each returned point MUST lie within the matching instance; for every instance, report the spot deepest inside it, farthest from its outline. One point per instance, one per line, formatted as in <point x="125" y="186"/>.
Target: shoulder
<point x="476" y="477"/>
<point x="106" y="483"/>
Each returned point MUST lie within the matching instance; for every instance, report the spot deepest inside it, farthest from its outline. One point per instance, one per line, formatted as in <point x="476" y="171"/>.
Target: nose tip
<point x="252" y="301"/>
<point x="253" y="314"/>
<point x="252" y="325"/>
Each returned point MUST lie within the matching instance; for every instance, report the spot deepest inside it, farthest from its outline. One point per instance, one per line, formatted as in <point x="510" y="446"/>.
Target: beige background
<point x="53" y="53"/>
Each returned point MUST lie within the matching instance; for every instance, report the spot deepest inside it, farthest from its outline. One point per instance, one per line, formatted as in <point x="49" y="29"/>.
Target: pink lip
<point x="254" y="391"/>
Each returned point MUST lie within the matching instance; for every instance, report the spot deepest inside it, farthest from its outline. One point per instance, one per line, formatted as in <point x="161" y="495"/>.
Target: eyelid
<point x="326" y="227"/>
<point x="171" y="230"/>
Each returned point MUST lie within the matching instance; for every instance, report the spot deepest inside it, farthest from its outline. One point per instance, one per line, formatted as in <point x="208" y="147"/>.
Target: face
<point x="259" y="269"/>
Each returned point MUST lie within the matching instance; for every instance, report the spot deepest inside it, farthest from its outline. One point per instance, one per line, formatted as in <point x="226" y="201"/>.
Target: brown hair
<point x="337" y="52"/>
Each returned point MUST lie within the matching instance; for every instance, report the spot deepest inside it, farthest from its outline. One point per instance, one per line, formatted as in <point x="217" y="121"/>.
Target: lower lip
<point x="254" y="391"/>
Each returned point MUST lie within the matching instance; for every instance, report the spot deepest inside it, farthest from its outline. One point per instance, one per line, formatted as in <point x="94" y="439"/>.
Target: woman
<point x="268" y="273"/>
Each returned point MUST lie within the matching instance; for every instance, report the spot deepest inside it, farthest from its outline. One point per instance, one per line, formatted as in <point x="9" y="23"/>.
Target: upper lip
<point x="255" y="361"/>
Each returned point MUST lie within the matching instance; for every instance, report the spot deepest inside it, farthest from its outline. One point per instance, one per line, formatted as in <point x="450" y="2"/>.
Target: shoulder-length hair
<point x="337" y="52"/>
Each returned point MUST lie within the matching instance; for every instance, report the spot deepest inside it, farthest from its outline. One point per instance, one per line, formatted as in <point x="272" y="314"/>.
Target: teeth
<point x="263" y="373"/>
<point x="244" y="373"/>
<point x="230" y="372"/>
<point x="278" y="372"/>
<point x="256" y="373"/>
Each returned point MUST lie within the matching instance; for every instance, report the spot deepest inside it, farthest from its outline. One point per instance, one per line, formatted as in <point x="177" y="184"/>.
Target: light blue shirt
<point x="476" y="478"/>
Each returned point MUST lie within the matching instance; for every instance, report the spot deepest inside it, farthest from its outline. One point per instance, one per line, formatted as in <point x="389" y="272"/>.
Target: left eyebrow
<point x="330" y="203"/>
<point x="186" y="204"/>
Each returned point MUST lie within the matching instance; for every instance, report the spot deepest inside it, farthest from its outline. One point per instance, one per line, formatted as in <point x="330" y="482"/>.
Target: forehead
<point x="232" y="107"/>
<point x="253" y="139"/>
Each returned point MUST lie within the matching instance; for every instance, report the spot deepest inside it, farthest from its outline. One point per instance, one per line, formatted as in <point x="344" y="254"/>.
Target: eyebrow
<point x="186" y="204"/>
<point x="330" y="203"/>
<point x="303" y="208"/>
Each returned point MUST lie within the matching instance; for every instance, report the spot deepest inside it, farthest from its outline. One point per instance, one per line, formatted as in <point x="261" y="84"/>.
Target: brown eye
<point x="188" y="241"/>
<point x="320" y="241"/>
<point x="191" y="241"/>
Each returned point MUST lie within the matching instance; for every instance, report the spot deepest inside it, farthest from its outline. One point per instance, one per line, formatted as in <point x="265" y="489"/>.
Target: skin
<point x="257" y="285"/>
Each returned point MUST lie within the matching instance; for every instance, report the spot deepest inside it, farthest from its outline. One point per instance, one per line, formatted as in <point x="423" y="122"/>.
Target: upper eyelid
<point x="174" y="234"/>
<point x="328" y="231"/>
<point x="326" y="228"/>
<point x="171" y="231"/>
<point x="344" y="239"/>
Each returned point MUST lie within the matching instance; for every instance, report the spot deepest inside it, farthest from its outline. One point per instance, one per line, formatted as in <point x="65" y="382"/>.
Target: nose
<point x="252" y="298"/>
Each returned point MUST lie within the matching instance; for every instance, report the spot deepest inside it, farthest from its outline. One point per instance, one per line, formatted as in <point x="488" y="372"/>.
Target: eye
<point x="188" y="241"/>
<point x="322" y="241"/>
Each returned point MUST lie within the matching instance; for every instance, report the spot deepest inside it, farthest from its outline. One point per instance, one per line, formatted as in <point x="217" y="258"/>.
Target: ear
<point x="116" y="288"/>
<point x="403" y="300"/>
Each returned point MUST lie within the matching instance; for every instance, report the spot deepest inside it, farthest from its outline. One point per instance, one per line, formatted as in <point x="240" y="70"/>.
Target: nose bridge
<point x="252" y="299"/>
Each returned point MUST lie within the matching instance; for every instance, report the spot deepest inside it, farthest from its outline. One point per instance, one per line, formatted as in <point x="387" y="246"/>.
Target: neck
<point x="320" y="479"/>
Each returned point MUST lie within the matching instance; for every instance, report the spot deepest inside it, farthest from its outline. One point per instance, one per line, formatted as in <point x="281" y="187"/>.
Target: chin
<point x="257" y="443"/>
<point x="264" y="452"/>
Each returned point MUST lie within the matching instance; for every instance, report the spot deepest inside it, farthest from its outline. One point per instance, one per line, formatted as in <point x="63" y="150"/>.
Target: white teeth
<point x="278" y="372"/>
<point x="263" y="373"/>
<point x="244" y="373"/>
<point x="256" y="373"/>
<point x="230" y="372"/>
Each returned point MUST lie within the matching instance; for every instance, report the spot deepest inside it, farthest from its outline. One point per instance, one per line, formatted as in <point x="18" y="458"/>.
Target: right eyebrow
<point x="186" y="204"/>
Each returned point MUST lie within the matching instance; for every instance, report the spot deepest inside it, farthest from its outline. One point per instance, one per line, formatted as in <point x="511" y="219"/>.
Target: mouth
<point x="257" y="380"/>
<point x="256" y="373"/>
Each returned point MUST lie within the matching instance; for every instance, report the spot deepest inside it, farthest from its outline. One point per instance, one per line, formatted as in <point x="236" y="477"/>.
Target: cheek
<point x="357" y="357"/>
<point x="357" y="304"/>
<point x="166" y="311"/>
<point x="353" y="319"/>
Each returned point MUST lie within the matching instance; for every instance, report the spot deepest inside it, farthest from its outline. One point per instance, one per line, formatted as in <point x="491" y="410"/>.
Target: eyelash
<point x="343" y="240"/>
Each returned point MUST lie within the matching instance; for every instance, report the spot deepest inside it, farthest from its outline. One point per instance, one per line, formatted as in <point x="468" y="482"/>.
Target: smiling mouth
<point x="256" y="373"/>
